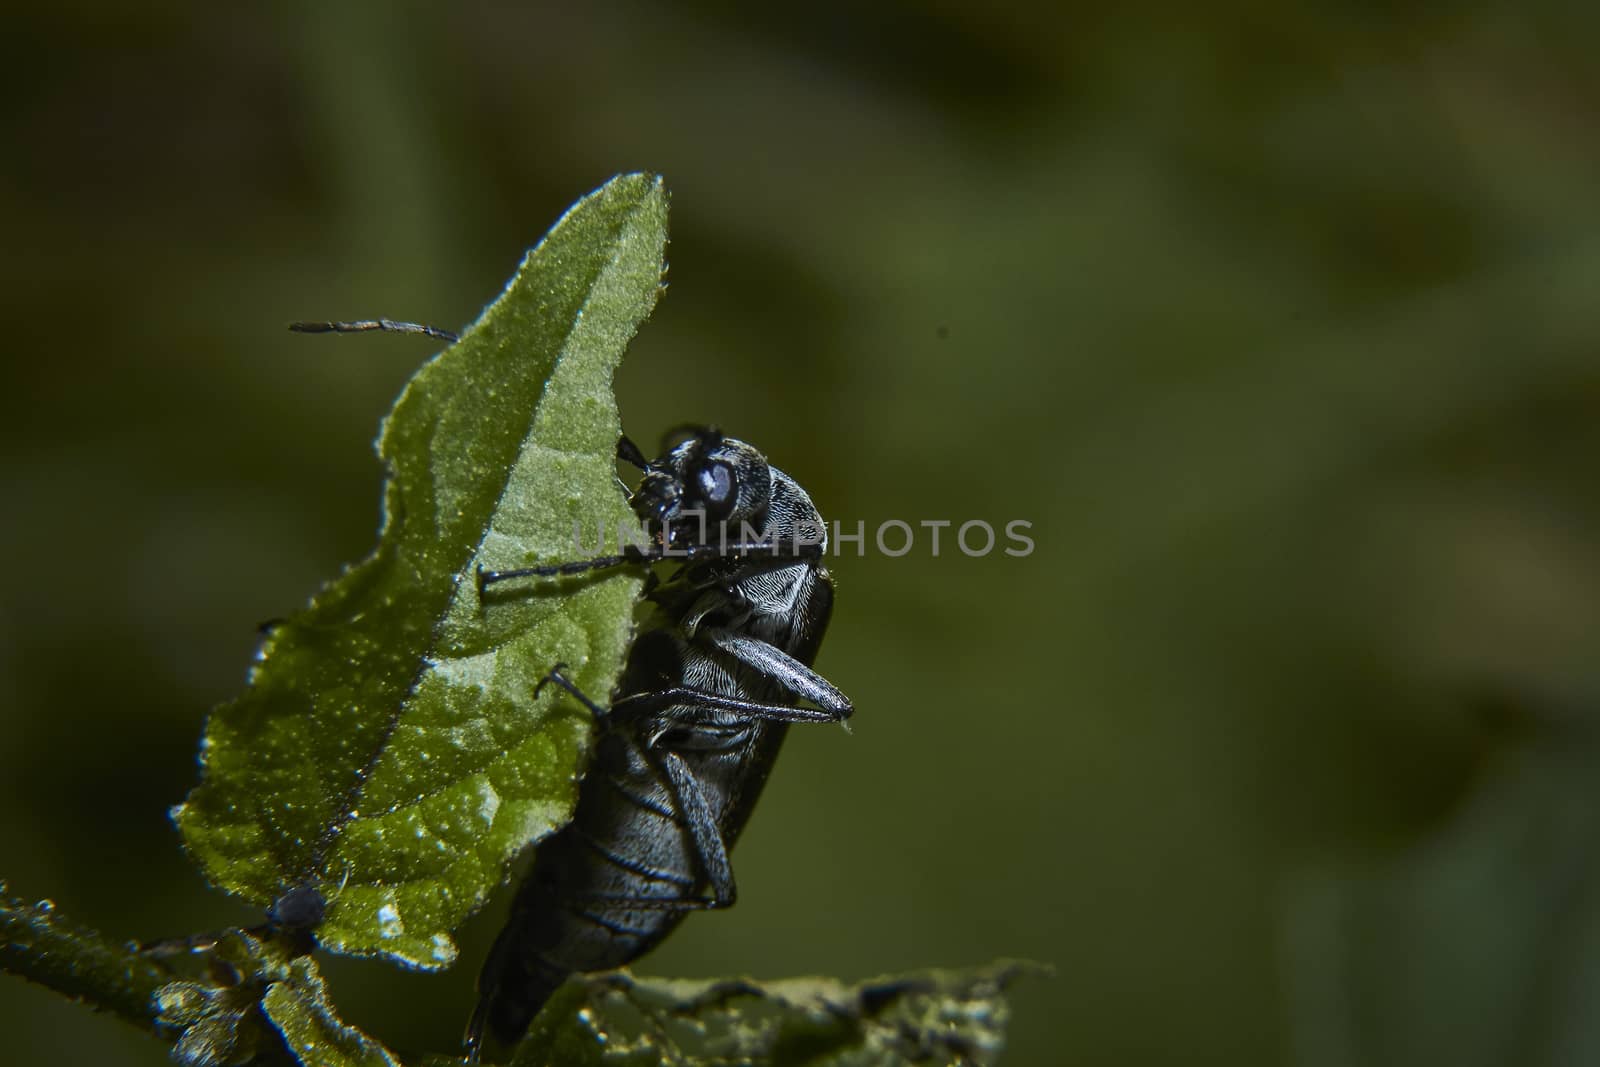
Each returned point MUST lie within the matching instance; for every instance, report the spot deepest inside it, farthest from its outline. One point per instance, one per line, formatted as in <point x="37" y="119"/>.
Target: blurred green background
<point x="1283" y="330"/>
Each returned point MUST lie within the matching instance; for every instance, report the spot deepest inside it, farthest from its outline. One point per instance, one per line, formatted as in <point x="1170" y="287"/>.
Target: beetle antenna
<point x="655" y="554"/>
<point x="629" y="453"/>
<point x="488" y="578"/>
<point x="367" y="325"/>
<point x="710" y="435"/>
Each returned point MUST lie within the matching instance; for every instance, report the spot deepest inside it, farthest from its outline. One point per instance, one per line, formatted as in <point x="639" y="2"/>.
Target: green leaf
<point x="617" y="1020"/>
<point x="389" y="752"/>
<point x="219" y="1023"/>
<point x="261" y="994"/>
<point x="299" y="1008"/>
<point x="214" y="1025"/>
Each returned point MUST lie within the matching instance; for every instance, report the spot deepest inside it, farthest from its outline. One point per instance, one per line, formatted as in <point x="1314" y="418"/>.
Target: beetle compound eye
<point x="715" y="482"/>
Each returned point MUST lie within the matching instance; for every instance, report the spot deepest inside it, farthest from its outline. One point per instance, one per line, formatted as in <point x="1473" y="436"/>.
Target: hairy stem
<point x="77" y="962"/>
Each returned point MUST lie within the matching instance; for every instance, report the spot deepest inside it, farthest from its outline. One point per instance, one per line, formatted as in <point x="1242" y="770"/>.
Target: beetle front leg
<point x="641" y="704"/>
<point x="602" y="716"/>
<point x="782" y="668"/>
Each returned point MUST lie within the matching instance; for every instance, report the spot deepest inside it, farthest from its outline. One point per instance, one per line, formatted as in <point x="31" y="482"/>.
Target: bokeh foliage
<point x="1278" y="325"/>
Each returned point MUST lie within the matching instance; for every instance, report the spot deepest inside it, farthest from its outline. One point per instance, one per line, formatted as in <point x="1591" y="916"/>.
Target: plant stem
<point x="77" y="962"/>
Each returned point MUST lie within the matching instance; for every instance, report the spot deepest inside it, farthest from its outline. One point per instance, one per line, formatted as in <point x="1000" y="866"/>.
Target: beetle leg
<point x="601" y="715"/>
<point x="366" y="325"/>
<point x="782" y="668"/>
<point x="708" y="844"/>
<point x="709" y="849"/>
<point x="643" y="703"/>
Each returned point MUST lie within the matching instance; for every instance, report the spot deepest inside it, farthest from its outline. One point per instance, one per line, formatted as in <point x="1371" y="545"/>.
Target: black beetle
<point x="693" y="728"/>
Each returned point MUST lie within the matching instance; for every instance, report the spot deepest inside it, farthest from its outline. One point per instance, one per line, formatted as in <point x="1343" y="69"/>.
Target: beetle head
<point x="706" y="483"/>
